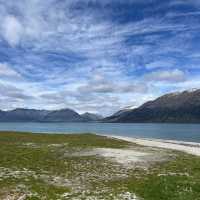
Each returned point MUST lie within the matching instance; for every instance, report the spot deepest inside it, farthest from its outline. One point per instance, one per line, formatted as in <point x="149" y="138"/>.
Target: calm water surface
<point x="184" y="132"/>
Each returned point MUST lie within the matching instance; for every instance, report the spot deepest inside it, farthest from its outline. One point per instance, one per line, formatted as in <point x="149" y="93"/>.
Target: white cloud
<point x="12" y="30"/>
<point x="173" y="76"/>
<point x="13" y="93"/>
<point x="7" y="72"/>
<point x="161" y="64"/>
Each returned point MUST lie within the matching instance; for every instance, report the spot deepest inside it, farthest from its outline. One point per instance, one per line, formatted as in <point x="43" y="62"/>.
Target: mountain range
<point x="33" y="115"/>
<point x="179" y="107"/>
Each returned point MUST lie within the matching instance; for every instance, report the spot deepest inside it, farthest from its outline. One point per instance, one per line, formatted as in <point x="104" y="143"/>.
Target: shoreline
<point x="192" y="148"/>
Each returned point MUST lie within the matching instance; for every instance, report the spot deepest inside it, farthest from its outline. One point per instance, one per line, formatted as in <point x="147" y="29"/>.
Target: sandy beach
<point x="192" y="148"/>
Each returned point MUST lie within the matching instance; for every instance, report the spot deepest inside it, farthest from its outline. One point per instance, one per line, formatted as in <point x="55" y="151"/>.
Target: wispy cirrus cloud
<point x="96" y="55"/>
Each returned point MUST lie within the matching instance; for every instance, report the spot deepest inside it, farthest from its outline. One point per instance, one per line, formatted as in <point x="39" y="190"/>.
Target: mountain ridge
<point x="34" y="115"/>
<point x="179" y="107"/>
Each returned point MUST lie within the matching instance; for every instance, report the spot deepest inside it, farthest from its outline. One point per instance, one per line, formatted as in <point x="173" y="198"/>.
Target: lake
<point x="184" y="132"/>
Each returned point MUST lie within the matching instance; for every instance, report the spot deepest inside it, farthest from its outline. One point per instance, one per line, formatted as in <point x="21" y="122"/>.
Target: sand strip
<point x="187" y="147"/>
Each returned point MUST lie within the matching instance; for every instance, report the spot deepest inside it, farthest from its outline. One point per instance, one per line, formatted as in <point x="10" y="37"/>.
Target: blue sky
<point x="96" y="55"/>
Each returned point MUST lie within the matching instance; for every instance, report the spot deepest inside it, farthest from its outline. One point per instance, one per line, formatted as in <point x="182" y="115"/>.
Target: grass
<point x="178" y="179"/>
<point x="42" y="166"/>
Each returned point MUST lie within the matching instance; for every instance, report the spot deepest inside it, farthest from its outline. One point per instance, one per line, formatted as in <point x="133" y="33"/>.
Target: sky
<point x="96" y="55"/>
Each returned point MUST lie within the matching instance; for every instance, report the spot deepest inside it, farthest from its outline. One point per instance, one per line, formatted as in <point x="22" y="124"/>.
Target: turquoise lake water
<point x="184" y="132"/>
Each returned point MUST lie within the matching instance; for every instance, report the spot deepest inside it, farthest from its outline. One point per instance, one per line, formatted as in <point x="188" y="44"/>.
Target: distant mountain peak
<point x="91" y="116"/>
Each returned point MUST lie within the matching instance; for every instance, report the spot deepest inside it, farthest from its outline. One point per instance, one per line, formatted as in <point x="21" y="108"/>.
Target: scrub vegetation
<point x="88" y="166"/>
